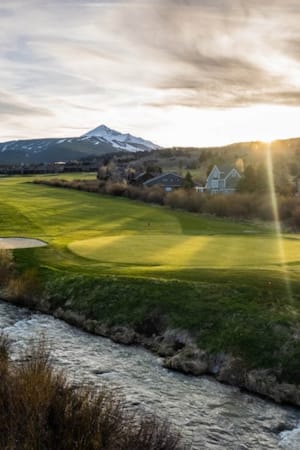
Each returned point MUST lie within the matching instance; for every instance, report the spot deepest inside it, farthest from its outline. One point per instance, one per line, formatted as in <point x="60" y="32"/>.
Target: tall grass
<point x="40" y="410"/>
<point x="7" y="266"/>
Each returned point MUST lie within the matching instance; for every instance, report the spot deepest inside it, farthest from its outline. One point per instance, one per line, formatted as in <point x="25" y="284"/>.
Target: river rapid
<point x="209" y="415"/>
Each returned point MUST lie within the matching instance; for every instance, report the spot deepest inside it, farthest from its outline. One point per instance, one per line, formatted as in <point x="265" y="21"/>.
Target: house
<point x="222" y="179"/>
<point x="168" y="181"/>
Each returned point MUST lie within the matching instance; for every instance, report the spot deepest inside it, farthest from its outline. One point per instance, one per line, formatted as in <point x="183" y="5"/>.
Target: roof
<point x="225" y="169"/>
<point x="143" y="177"/>
<point x="232" y="182"/>
<point x="160" y="179"/>
<point x="139" y="176"/>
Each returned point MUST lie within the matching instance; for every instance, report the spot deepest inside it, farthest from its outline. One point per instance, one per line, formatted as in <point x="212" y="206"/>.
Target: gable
<point x="233" y="174"/>
<point x="232" y="179"/>
<point x="213" y="175"/>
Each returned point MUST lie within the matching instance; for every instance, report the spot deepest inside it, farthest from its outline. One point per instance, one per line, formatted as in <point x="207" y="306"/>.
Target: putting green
<point x="186" y="250"/>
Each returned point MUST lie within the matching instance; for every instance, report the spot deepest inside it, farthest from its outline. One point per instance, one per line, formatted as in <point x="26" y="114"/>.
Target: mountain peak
<point x="120" y="140"/>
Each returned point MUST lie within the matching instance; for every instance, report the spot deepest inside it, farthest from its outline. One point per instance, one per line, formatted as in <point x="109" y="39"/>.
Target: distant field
<point x="71" y="176"/>
<point x="94" y="233"/>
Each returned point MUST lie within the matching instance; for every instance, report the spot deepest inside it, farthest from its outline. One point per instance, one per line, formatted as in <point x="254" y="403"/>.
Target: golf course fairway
<point x="96" y="232"/>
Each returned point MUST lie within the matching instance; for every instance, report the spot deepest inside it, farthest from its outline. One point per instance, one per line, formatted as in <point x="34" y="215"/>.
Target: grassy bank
<point x="254" y="323"/>
<point x="234" y="286"/>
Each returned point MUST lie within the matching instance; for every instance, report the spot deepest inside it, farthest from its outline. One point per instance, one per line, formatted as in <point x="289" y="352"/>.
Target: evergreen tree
<point x="188" y="181"/>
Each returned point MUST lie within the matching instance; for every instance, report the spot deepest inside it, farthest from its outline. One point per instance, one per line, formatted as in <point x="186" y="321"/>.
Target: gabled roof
<point x="144" y="176"/>
<point x="224" y="170"/>
<point x="232" y="182"/>
<point x="159" y="178"/>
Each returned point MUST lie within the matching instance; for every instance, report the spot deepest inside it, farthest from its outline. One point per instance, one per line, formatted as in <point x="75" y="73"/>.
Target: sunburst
<point x="277" y="223"/>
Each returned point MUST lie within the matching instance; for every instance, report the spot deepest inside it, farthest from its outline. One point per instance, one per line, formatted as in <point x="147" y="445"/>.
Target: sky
<point x="177" y="72"/>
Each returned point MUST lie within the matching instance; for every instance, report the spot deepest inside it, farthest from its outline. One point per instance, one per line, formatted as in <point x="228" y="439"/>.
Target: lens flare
<point x="278" y="229"/>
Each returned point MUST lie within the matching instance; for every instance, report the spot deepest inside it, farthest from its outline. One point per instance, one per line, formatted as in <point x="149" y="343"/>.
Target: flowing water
<point x="209" y="415"/>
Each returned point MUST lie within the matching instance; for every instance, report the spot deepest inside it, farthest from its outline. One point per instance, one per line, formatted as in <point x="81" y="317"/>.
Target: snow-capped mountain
<point x="119" y="140"/>
<point x="100" y="141"/>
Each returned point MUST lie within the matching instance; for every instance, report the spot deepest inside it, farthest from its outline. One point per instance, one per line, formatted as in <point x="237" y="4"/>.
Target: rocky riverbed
<point x="180" y="353"/>
<point x="210" y="415"/>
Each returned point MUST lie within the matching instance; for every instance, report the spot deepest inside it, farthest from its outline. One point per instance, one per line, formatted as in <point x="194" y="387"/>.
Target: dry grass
<point x="40" y="410"/>
<point x="24" y="286"/>
<point x="7" y="265"/>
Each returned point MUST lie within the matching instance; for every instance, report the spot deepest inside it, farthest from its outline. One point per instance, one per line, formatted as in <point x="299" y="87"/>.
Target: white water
<point x="210" y="415"/>
<point x="290" y="440"/>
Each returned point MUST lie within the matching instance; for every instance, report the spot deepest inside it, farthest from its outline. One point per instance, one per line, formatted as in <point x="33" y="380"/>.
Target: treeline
<point x="40" y="410"/>
<point x="240" y="206"/>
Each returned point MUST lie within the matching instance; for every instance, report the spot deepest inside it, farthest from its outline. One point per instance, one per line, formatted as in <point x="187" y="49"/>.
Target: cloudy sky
<point x="178" y="72"/>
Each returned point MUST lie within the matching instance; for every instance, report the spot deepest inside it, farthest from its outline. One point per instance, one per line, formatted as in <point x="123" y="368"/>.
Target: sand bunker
<point x="13" y="243"/>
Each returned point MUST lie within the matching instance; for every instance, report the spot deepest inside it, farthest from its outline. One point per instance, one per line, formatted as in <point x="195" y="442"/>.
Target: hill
<point x="285" y="158"/>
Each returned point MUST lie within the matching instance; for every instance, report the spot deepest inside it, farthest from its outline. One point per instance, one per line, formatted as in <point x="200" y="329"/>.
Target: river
<point x="210" y="415"/>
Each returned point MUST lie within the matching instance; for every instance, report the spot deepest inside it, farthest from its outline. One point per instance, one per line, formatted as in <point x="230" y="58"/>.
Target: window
<point x="214" y="184"/>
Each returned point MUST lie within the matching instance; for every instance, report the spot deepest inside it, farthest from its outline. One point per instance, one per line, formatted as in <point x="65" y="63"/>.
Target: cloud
<point x="11" y="105"/>
<point x="105" y="57"/>
<point x="214" y="54"/>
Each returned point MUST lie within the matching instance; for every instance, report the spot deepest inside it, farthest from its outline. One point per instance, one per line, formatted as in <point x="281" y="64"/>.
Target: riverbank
<point x="131" y="312"/>
<point x="181" y="353"/>
<point x="202" y="409"/>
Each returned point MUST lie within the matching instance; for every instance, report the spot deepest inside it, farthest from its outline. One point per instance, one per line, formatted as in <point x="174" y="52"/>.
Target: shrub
<point x="196" y="202"/>
<point x="242" y="206"/>
<point x="218" y="205"/>
<point x="253" y="205"/>
<point x="4" y="347"/>
<point x="265" y="208"/>
<point x="287" y="207"/>
<point x="25" y="286"/>
<point x="117" y="189"/>
<point x="296" y="217"/>
<point x="176" y="199"/>
<point x="7" y="265"/>
<point x="154" y="195"/>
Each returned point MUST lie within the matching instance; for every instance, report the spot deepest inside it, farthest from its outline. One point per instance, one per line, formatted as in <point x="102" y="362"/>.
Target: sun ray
<point x="278" y="229"/>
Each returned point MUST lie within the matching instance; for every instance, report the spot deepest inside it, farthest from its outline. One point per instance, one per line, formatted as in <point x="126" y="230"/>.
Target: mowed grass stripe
<point x="185" y="250"/>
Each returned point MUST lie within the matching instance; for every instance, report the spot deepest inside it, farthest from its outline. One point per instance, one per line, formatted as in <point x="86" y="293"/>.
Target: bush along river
<point x="209" y="415"/>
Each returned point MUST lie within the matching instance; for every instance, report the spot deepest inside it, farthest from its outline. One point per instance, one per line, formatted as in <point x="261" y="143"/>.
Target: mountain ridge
<point x="125" y="141"/>
<point x="99" y="141"/>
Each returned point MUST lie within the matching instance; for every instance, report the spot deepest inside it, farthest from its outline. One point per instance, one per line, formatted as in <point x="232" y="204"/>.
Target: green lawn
<point x="234" y="286"/>
<point x="95" y="233"/>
